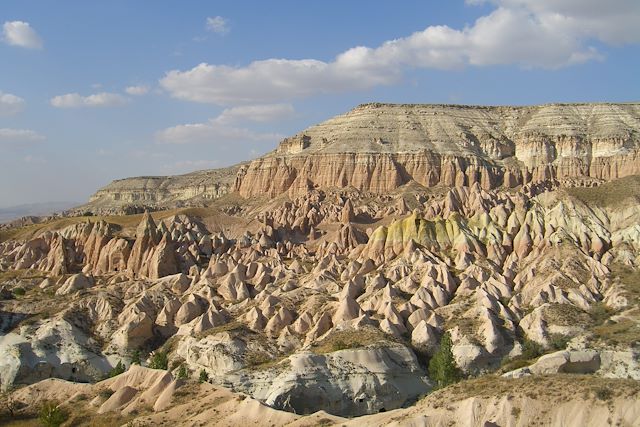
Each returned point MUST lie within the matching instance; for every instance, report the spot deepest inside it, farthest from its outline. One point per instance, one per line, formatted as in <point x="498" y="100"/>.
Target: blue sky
<point x="95" y="91"/>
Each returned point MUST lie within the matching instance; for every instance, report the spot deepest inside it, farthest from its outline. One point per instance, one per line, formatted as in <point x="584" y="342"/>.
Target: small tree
<point x="442" y="366"/>
<point x="531" y="349"/>
<point x="204" y="377"/>
<point x="159" y="361"/>
<point x="135" y="357"/>
<point x="182" y="373"/>
<point x="51" y="415"/>
<point x="119" y="368"/>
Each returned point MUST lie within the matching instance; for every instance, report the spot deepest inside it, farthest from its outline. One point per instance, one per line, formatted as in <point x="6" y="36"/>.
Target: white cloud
<point x="18" y="33"/>
<point x="267" y="81"/>
<point x="212" y="132"/>
<point x="19" y="135"/>
<point x="102" y="99"/>
<point x="11" y="104"/>
<point x="256" y="113"/>
<point x="218" y="24"/>
<point x="220" y="128"/>
<point x="137" y="90"/>
<point x="527" y="33"/>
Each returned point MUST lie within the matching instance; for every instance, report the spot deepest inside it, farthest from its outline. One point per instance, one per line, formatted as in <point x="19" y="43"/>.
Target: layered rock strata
<point x="133" y="195"/>
<point x="379" y="147"/>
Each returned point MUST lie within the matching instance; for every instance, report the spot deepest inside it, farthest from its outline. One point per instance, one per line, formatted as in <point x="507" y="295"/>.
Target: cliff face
<point x="378" y="147"/>
<point x="163" y="191"/>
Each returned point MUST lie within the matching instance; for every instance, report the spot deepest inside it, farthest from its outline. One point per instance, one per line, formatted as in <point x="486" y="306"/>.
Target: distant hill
<point x="33" y="209"/>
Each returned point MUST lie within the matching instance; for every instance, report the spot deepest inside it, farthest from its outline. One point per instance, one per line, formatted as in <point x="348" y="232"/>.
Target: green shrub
<point x="603" y="393"/>
<point x="204" y="377"/>
<point x="106" y="393"/>
<point x="51" y="415"/>
<point x="159" y="361"/>
<point x="559" y="341"/>
<point x="119" y="369"/>
<point x="135" y="357"/>
<point x="182" y="373"/>
<point x="531" y="350"/>
<point x="600" y="312"/>
<point x="442" y="366"/>
<point x="19" y="292"/>
<point x="342" y="345"/>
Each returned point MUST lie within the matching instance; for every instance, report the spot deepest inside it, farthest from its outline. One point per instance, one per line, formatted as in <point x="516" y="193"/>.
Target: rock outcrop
<point x="379" y="147"/>
<point x="134" y="195"/>
<point x="333" y="299"/>
<point x="348" y="382"/>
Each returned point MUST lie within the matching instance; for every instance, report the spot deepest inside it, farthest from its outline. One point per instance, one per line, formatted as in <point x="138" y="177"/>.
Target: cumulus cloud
<point x="19" y="135"/>
<point x="222" y="129"/>
<point x="137" y="90"/>
<point x="75" y="100"/>
<point x="218" y="25"/>
<point x="527" y="33"/>
<point x="612" y="22"/>
<point x="18" y="33"/>
<point x="212" y="132"/>
<point x="11" y="104"/>
<point x="266" y="81"/>
<point x="256" y="113"/>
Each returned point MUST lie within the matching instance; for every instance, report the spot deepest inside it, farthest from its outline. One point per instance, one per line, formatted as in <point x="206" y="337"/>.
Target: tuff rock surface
<point x="348" y="288"/>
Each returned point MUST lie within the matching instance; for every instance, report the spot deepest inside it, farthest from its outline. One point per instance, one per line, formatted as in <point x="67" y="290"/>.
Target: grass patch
<point x="567" y="315"/>
<point x="121" y="221"/>
<point x="599" y="313"/>
<point x="609" y="194"/>
<point x="260" y="360"/>
<point x="625" y="332"/>
<point x="21" y="274"/>
<point x="255" y="358"/>
<point x="562" y="386"/>
<point x="342" y="340"/>
<point x="26" y="421"/>
<point x="227" y="327"/>
<point x="629" y="280"/>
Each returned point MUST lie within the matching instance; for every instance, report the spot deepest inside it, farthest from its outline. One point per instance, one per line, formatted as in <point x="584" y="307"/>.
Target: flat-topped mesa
<point x="163" y="191"/>
<point x="378" y="147"/>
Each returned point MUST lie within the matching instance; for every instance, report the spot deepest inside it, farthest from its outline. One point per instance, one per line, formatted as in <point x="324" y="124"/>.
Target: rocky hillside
<point x="347" y="298"/>
<point x="134" y="195"/>
<point x="378" y="147"/>
<point x="335" y="300"/>
<point x="143" y="396"/>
